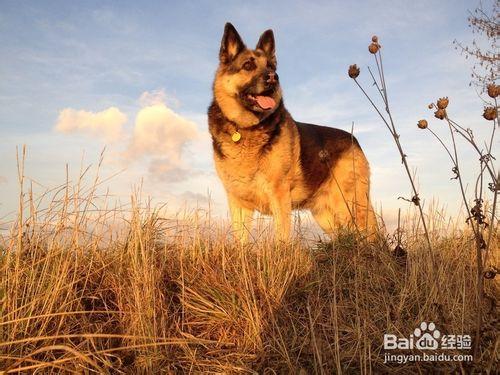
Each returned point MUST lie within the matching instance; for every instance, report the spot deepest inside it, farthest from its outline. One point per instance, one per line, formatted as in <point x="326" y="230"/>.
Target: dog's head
<point x="246" y="84"/>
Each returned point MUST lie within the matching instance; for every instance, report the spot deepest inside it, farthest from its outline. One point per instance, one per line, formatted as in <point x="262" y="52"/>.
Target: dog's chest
<point x="247" y="172"/>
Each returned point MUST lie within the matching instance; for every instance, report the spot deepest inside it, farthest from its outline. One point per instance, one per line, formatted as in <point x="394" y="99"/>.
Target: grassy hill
<point x="160" y="296"/>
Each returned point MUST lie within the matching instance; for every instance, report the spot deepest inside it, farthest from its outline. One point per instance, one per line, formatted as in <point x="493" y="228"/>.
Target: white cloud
<point x="162" y="134"/>
<point x="107" y="124"/>
<point x="159" y="131"/>
<point x="159" y="136"/>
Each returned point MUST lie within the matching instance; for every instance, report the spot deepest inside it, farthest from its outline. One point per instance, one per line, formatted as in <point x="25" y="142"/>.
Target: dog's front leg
<point x="241" y="219"/>
<point x="281" y="207"/>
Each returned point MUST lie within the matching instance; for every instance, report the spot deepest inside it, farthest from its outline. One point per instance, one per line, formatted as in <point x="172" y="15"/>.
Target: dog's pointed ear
<point x="231" y="44"/>
<point x="266" y="43"/>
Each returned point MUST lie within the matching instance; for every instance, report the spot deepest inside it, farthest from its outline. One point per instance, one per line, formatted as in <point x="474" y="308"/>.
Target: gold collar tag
<point x="236" y="137"/>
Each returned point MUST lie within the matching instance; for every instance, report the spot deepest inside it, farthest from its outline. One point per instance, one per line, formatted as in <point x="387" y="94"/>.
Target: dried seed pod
<point x="375" y="39"/>
<point x="422" y="124"/>
<point x="442" y="103"/>
<point x="373" y="48"/>
<point x="430" y="106"/>
<point x="490" y="113"/>
<point x="353" y="71"/>
<point x="440" y="114"/>
<point x="493" y="90"/>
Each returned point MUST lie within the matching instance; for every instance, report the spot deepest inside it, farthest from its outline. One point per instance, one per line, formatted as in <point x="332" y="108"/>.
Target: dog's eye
<point x="249" y="65"/>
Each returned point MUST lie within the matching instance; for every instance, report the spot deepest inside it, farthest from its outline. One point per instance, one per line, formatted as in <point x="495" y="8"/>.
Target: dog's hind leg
<point x="343" y="200"/>
<point x="241" y="219"/>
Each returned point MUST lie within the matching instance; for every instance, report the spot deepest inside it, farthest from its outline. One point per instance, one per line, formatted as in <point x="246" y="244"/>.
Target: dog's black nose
<point x="272" y="77"/>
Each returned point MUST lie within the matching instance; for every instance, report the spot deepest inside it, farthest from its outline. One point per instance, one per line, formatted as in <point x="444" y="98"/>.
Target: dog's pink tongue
<point x="265" y="102"/>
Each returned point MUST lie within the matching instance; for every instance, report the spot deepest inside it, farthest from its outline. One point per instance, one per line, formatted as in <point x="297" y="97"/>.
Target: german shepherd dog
<point x="270" y="163"/>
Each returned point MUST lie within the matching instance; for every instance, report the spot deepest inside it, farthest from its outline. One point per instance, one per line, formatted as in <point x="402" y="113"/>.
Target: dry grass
<point x="90" y="290"/>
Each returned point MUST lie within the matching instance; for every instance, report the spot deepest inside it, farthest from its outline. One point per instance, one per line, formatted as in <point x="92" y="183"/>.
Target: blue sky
<point x="136" y="56"/>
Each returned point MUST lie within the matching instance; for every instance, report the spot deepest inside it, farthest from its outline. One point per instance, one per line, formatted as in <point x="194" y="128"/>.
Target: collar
<point x="268" y="124"/>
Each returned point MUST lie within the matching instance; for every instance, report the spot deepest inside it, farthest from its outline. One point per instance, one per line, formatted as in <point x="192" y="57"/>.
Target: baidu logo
<point x="427" y="337"/>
